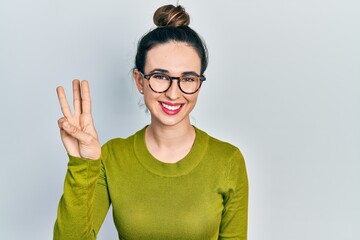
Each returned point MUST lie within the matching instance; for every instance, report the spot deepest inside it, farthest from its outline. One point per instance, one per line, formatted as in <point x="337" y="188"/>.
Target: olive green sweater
<point x="202" y="196"/>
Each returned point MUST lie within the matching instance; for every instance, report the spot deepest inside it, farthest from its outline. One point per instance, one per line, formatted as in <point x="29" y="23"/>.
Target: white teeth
<point x="171" y="108"/>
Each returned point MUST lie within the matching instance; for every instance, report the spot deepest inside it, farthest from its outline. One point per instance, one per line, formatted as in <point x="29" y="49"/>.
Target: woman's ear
<point x="139" y="80"/>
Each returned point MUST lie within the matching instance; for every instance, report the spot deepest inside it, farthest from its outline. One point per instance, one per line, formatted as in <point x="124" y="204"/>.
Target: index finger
<point x="65" y="108"/>
<point x="85" y="97"/>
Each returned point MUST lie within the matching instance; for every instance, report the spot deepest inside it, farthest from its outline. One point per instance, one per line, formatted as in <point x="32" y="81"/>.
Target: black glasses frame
<point x="148" y="76"/>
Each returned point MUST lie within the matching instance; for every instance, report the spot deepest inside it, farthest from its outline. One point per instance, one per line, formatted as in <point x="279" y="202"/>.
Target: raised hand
<point x="77" y="129"/>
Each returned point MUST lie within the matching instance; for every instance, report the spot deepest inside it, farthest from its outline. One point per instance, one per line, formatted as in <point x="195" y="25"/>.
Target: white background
<point x="283" y="85"/>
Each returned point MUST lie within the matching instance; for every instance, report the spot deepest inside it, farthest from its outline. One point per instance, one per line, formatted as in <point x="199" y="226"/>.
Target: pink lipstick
<point x="171" y="108"/>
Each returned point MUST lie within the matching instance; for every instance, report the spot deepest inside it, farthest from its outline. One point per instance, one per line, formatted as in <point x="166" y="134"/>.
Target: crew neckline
<point x="181" y="167"/>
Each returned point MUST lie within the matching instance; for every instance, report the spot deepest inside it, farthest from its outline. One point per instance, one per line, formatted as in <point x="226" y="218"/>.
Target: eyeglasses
<point x="160" y="82"/>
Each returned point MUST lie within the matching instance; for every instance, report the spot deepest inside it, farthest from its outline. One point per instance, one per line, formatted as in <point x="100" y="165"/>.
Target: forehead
<point x="176" y="57"/>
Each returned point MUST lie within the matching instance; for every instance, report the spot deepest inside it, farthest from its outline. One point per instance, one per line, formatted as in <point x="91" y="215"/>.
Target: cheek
<point x="192" y="100"/>
<point x="150" y="97"/>
<point x="192" y="97"/>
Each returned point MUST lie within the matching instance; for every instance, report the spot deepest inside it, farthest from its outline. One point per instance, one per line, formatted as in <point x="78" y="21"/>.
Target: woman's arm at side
<point x="235" y="214"/>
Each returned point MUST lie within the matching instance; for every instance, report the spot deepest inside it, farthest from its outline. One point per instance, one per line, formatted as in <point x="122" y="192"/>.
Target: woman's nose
<point x="173" y="92"/>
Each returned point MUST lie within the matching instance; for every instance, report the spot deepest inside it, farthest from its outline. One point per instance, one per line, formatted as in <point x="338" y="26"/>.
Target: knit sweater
<point x="202" y="196"/>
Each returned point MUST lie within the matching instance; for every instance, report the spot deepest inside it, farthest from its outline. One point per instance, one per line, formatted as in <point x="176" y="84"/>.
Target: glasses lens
<point x="189" y="83"/>
<point x="159" y="82"/>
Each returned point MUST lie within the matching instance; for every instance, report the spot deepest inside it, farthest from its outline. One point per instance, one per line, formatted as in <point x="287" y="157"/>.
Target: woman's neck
<point x="169" y="143"/>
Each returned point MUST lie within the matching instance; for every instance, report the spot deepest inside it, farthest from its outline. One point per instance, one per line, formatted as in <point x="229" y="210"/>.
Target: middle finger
<point x="76" y="97"/>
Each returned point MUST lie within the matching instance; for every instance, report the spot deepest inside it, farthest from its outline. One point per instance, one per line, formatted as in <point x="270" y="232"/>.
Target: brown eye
<point x="159" y="77"/>
<point x="188" y="79"/>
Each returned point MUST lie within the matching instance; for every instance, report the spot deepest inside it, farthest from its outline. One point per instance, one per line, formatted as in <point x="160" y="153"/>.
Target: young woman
<point x="170" y="180"/>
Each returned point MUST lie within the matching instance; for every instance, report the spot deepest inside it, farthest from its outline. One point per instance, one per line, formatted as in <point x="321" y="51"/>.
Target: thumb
<point x="76" y="133"/>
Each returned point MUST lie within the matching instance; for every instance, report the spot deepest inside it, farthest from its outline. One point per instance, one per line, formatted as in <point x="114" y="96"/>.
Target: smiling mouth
<point x="171" y="109"/>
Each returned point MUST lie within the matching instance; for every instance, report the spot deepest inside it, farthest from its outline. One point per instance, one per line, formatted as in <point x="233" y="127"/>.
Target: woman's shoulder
<point x="123" y="143"/>
<point x="224" y="154"/>
<point x="215" y="143"/>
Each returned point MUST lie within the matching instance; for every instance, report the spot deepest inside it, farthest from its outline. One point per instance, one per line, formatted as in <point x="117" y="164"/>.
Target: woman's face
<point x="173" y="106"/>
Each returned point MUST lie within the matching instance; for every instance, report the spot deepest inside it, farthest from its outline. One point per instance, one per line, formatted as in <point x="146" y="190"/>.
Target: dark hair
<point x="172" y="25"/>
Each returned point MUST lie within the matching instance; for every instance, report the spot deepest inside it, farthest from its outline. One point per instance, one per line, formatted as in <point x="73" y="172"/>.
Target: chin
<point x="171" y="121"/>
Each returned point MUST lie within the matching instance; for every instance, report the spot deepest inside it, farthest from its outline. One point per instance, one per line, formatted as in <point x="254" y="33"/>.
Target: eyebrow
<point x="166" y="71"/>
<point x="159" y="70"/>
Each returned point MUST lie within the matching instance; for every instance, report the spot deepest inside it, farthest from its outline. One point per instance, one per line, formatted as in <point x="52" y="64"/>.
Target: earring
<point x="141" y="91"/>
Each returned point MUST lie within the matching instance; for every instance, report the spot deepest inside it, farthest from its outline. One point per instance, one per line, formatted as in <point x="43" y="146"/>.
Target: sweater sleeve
<point x="235" y="213"/>
<point x="85" y="201"/>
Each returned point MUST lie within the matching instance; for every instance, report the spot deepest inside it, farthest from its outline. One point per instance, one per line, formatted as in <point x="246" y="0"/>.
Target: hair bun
<point x="171" y="16"/>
